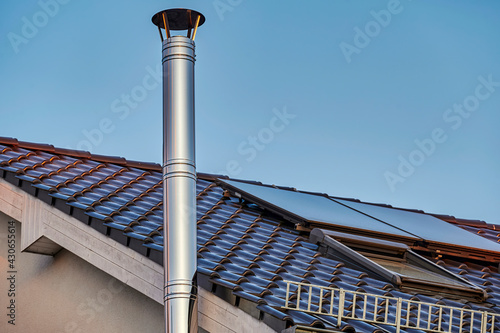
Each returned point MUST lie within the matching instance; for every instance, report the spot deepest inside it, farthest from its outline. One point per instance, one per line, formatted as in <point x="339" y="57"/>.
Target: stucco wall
<point x="66" y="294"/>
<point x="217" y="316"/>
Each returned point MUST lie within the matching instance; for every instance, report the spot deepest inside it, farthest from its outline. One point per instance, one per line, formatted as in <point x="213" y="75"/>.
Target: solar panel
<point x="345" y="213"/>
<point x="313" y="208"/>
<point x="425" y="226"/>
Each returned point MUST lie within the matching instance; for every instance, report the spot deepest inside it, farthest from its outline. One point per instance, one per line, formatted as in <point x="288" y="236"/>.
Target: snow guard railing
<point x="385" y="310"/>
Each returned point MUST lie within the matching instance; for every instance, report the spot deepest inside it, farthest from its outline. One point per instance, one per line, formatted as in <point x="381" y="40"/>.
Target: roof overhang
<point x="46" y="230"/>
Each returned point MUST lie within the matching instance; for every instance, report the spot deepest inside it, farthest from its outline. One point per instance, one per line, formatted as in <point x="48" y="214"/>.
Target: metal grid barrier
<point x="385" y="310"/>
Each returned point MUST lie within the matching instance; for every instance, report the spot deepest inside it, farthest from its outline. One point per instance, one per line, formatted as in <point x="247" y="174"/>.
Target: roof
<point x="245" y="251"/>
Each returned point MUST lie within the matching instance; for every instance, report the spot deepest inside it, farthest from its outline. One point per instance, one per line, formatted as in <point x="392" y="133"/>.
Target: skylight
<point x="396" y="263"/>
<point x="406" y="270"/>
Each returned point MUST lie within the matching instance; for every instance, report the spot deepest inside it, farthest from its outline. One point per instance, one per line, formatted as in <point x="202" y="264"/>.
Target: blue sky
<point x="386" y="101"/>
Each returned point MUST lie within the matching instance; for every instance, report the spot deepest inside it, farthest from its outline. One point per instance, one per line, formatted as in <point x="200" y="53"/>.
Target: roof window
<point x="395" y="263"/>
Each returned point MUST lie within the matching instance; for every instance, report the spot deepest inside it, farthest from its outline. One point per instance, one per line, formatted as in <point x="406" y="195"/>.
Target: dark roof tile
<point x="241" y="248"/>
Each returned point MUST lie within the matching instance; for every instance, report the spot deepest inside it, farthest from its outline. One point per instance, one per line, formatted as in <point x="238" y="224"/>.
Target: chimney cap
<point x="178" y="18"/>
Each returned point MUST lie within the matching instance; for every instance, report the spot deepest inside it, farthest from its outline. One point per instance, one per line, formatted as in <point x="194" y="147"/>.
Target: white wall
<point x="66" y="294"/>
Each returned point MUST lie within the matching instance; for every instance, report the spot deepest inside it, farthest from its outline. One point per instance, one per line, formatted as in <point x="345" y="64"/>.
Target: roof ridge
<point x="118" y="160"/>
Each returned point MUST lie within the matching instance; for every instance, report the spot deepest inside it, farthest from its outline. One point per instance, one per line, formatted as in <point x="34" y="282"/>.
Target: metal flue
<point x="179" y="171"/>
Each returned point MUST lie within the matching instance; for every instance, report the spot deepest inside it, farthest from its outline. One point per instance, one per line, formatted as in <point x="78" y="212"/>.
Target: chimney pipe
<point x="179" y="172"/>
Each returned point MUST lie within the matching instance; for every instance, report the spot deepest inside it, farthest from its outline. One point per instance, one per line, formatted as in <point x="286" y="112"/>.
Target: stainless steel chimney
<point x="179" y="172"/>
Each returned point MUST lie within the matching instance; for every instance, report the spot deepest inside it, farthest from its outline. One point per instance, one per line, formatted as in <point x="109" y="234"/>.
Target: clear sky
<point x="385" y="101"/>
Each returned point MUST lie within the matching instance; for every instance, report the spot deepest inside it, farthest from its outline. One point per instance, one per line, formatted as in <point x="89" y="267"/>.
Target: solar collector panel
<point x="316" y="208"/>
<point x="341" y="213"/>
<point x="425" y="226"/>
